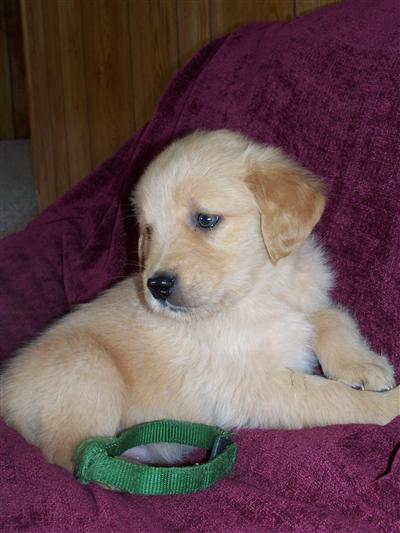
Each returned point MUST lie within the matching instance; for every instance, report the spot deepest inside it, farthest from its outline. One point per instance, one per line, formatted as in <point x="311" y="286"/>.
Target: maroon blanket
<point x="326" y="88"/>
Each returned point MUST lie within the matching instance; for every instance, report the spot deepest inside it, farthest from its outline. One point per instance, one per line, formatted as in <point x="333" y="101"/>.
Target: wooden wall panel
<point x="228" y="14"/>
<point x="154" y="45"/>
<point x="55" y="93"/>
<point x="97" y="68"/>
<point x="194" y="27"/>
<point x="39" y="102"/>
<point x="17" y="69"/>
<point x="108" y="74"/>
<point x="6" y="121"/>
<point x="75" y="96"/>
<point x="14" y="123"/>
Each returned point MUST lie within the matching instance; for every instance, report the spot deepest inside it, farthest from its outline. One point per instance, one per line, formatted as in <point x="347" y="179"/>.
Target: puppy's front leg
<point x="317" y="401"/>
<point x="345" y="356"/>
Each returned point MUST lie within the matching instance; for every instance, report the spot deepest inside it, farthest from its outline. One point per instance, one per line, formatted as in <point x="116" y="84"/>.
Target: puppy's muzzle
<point x="161" y="285"/>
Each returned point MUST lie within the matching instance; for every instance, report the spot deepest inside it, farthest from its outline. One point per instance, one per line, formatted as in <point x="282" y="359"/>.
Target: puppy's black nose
<point x="161" y="285"/>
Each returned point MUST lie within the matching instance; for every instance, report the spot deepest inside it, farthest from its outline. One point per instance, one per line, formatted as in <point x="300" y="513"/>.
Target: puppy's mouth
<point x="171" y="309"/>
<point x="185" y="309"/>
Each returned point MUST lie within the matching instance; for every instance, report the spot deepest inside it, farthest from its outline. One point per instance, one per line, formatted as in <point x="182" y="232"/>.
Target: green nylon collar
<point x="97" y="459"/>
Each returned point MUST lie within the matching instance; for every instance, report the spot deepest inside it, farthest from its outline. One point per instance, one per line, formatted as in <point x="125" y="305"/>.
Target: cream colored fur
<point x="236" y="343"/>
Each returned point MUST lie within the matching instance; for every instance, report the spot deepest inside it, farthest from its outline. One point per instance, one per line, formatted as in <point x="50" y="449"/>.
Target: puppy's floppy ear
<point x="291" y="202"/>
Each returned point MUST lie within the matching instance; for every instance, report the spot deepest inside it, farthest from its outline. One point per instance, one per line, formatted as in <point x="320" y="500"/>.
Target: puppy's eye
<point x="149" y="231"/>
<point x="204" y="221"/>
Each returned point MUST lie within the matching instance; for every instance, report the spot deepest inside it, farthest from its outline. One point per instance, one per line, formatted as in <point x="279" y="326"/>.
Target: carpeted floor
<point x="17" y="190"/>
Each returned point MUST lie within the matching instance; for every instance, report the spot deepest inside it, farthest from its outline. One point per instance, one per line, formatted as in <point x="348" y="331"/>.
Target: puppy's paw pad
<point x="372" y="376"/>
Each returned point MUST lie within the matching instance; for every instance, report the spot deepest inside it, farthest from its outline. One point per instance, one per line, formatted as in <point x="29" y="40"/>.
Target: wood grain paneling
<point x="55" y="103"/>
<point x="154" y="51"/>
<point x="39" y="99"/>
<point x="17" y="69"/>
<point x="14" y="122"/>
<point x="108" y="74"/>
<point x="194" y="28"/>
<point x="228" y="14"/>
<point x="6" y="121"/>
<point x="75" y="93"/>
<point x="97" y="68"/>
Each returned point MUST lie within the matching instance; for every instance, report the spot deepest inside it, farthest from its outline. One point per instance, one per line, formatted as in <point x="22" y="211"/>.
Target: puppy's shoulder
<point x="309" y="277"/>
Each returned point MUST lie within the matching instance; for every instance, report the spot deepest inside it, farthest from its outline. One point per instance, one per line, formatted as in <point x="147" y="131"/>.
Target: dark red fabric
<point x="326" y="88"/>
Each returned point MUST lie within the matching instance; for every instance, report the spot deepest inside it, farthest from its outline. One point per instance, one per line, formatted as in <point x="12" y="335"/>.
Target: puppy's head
<point x="215" y="210"/>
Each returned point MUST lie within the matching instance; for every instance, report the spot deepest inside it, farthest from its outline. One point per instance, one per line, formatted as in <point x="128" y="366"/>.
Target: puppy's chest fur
<point x="216" y="368"/>
<point x="276" y="338"/>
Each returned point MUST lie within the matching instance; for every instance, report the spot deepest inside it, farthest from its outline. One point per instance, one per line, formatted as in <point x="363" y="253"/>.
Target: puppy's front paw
<point x="374" y="373"/>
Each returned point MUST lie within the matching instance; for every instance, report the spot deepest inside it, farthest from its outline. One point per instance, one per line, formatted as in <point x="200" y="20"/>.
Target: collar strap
<point x="97" y="459"/>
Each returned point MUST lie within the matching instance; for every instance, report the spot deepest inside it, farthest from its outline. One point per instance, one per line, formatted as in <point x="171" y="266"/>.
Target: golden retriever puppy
<point x="224" y="324"/>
